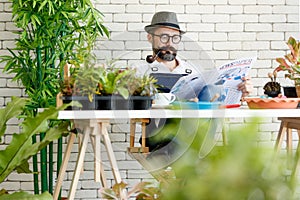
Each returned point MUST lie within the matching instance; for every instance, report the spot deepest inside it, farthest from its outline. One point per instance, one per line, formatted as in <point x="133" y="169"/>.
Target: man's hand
<point x="246" y="86"/>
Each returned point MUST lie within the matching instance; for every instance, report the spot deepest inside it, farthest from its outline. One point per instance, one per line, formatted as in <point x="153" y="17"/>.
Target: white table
<point x="168" y="113"/>
<point x="94" y="124"/>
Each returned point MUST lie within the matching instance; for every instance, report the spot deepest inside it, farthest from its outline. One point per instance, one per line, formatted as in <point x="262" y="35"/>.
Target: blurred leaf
<point x="26" y="196"/>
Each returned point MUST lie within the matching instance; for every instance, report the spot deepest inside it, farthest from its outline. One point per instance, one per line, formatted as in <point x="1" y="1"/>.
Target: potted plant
<point x="124" y="89"/>
<point x="291" y="63"/>
<point x="109" y="87"/>
<point x="272" y="88"/>
<point x="81" y="83"/>
<point x="141" y="90"/>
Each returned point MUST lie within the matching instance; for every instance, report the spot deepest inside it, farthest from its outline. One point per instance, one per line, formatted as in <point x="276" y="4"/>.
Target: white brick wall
<point x="224" y="29"/>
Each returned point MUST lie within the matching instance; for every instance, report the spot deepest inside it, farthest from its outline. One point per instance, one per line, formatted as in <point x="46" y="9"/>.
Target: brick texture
<point x="224" y="29"/>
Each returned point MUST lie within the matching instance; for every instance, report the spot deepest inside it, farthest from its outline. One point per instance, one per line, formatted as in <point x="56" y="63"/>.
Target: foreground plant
<point x="142" y="191"/>
<point x="240" y="170"/>
<point x="21" y="148"/>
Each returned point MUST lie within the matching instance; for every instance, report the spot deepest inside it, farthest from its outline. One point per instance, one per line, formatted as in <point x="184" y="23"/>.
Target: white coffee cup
<point x="164" y="98"/>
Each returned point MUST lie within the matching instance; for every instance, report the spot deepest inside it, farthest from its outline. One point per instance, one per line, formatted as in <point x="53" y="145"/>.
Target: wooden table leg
<point x="280" y="136"/>
<point x="103" y="129"/>
<point x="297" y="161"/>
<point x="64" y="166"/>
<point x="97" y="150"/>
<point x="99" y="175"/>
<point x="111" y="156"/>
<point x="289" y="147"/>
<point x="86" y="133"/>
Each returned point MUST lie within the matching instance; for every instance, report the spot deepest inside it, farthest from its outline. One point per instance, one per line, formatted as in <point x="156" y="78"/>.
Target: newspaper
<point x="225" y="81"/>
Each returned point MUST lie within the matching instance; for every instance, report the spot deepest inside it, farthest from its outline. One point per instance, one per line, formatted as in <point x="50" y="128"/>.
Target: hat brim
<point x="149" y="28"/>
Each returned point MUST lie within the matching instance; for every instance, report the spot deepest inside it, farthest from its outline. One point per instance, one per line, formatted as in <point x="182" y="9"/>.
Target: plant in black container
<point x="112" y="92"/>
<point x="142" y="89"/>
<point x="107" y="87"/>
<point x="273" y="88"/>
<point x="81" y="84"/>
<point x="124" y="89"/>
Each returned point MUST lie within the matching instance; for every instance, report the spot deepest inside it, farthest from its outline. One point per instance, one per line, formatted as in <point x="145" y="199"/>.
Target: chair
<point x="159" y="170"/>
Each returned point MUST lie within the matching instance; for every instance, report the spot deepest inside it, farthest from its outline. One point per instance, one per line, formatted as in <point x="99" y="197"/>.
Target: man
<point x="164" y="34"/>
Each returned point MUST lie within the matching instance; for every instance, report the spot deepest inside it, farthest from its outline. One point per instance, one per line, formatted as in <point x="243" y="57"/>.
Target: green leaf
<point x="21" y="148"/>
<point x="26" y="196"/>
<point x="12" y="109"/>
<point x="24" y="168"/>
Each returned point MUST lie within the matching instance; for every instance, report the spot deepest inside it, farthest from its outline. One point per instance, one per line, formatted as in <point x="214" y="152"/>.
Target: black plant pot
<point x="290" y="92"/>
<point x="272" y="93"/>
<point x="83" y="100"/>
<point x="116" y="102"/>
<point x="103" y="102"/>
<point x="113" y="102"/>
<point x="140" y="102"/>
<point x="272" y="89"/>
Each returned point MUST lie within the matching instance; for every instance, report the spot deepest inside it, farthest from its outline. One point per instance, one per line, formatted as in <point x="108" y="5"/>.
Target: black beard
<point x="166" y="53"/>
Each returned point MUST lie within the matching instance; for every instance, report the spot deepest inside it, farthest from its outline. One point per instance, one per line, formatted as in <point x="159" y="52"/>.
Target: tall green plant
<point x="51" y="34"/>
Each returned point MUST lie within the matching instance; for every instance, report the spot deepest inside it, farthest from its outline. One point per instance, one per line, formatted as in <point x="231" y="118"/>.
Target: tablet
<point x="166" y="80"/>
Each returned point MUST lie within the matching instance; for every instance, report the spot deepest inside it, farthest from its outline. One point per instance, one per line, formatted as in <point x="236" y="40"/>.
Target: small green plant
<point x="114" y="81"/>
<point x="142" y="85"/>
<point x="85" y="83"/>
<point x="291" y="61"/>
<point x="106" y="79"/>
<point x="125" y="82"/>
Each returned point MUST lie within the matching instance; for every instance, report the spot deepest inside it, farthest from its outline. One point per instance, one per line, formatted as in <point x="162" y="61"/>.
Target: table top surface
<point x="240" y="112"/>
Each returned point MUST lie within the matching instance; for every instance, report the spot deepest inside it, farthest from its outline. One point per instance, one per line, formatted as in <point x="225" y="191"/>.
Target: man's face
<point x="165" y="42"/>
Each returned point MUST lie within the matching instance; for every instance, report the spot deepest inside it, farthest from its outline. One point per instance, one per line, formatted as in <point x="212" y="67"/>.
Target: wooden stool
<point x="286" y="126"/>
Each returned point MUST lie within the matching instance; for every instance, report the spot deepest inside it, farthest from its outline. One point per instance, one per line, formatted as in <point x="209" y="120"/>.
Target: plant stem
<point x="35" y="170"/>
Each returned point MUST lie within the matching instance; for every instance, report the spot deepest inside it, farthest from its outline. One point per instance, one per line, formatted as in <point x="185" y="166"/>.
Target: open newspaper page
<point x="227" y="77"/>
<point x="230" y="76"/>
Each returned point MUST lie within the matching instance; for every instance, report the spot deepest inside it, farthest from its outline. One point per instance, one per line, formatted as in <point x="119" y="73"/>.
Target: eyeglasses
<point x="164" y="38"/>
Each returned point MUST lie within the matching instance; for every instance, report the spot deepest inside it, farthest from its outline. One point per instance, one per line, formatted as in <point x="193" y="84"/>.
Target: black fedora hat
<point x="163" y="19"/>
